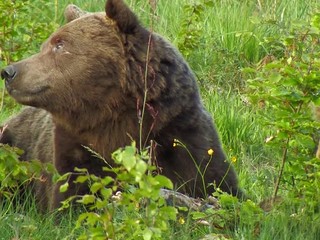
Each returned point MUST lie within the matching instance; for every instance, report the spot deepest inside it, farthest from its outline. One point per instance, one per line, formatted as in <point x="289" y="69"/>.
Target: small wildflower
<point x="181" y="220"/>
<point x="233" y="159"/>
<point x="210" y="151"/>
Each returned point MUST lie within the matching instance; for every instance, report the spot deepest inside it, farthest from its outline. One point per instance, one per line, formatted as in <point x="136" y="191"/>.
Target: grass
<point x="19" y="219"/>
<point x="232" y="37"/>
<point x="244" y="138"/>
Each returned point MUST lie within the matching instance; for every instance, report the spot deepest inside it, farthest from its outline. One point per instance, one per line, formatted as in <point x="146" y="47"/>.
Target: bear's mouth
<point x="22" y="96"/>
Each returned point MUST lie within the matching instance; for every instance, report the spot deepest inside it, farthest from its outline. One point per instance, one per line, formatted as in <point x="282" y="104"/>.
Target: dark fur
<point x="92" y="90"/>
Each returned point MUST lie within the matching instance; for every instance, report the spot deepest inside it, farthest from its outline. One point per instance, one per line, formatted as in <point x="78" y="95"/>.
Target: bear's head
<point x="84" y="59"/>
<point x="102" y="63"/>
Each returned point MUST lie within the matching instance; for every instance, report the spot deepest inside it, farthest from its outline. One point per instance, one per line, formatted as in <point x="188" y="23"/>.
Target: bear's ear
<point x="73" y="12"/>
<point x="118" y="11"/>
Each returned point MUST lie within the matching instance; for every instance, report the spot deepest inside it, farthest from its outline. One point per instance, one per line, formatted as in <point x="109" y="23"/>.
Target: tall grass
<point x="244" y="139"/>
<point x="20" y="219"/>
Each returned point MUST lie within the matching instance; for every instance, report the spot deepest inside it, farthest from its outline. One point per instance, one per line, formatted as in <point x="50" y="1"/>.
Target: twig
<point x="284" y="157"/>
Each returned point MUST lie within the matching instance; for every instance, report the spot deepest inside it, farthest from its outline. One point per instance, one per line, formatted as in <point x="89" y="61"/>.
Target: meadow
<point x="238" y="50"/>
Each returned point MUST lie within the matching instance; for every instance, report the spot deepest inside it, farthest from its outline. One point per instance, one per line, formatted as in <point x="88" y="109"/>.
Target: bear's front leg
<point x="68" y="154"/>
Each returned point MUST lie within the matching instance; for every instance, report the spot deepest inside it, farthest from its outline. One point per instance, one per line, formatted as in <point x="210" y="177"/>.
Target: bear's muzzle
<point x="8" y="74"/>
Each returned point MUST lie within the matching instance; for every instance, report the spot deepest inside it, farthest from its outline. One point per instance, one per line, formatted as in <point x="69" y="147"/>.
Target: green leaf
<point x="129" y="158"/>
<point x="198" y="215"/>
<point x="170" y="212"/>
<point x="106" y="193"/>
<point x="141" y="167"/>
<point x="147" y="234"/>
<point x="81" y="170"/>
<point x="81" y="179"/>
<point x="275" y="77"/>
<point x="81" y="220"/>
<point x="64" y="187"/>
<point x="107" y="180"/>
<point x="96" y="187"/>
<point x="317" y="101"/>
<point x="64" y="177"/>
<point x="164" y="181"/>
<point x="87" y="199"/>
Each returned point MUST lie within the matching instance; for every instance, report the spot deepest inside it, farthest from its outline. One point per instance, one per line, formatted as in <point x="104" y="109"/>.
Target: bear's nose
<point x="8" y="73"/>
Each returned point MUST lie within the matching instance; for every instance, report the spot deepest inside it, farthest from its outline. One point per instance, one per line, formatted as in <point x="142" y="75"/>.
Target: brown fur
<point x="89" y="79"/>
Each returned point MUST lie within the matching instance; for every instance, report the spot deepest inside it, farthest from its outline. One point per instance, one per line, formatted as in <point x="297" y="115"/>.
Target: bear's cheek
<point x="91" y="73"/>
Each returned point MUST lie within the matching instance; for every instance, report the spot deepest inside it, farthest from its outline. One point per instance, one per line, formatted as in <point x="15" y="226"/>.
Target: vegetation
<point x="258" y="66"/>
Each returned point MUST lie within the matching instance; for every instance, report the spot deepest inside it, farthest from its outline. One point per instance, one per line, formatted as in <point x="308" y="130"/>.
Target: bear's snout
<point x="9" y="73"/>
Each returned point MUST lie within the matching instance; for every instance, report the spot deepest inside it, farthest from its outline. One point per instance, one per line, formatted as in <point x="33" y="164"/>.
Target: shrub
<point x="137" y="212"/>
<point x="284" y="89"/>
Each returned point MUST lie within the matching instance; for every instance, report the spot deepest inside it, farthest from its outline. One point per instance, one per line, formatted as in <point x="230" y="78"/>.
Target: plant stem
<point x="284" y="158"/>
<point x="145" y="86"/>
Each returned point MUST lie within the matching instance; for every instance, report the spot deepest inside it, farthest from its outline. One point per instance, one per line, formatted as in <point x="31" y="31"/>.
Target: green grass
<point x="232" y="37"/>
<point x="244" y="138"/>
<point x="20" y="219"/>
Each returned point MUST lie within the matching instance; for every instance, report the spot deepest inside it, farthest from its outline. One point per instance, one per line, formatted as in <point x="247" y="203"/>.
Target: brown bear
<point x="87" y="87"/>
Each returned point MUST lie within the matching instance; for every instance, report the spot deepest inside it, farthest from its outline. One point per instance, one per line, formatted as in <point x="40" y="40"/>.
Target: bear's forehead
<point x="98" y="15"/>
<point x="90" y="23"/>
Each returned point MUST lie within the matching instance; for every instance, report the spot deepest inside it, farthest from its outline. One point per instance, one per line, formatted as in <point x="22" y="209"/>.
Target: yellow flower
<point x="181" y="220"/>
<point x="210" y="151"/>
<point x="233" y="159"/>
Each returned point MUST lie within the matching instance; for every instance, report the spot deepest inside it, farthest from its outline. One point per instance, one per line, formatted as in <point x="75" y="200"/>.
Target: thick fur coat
<point x="86" y="87"/>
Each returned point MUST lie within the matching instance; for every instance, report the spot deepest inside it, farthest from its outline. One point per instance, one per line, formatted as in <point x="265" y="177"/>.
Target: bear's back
<point x="32" y="131"/>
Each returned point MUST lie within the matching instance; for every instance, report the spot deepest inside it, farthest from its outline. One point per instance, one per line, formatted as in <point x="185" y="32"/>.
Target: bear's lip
<point x="16" y="93"/>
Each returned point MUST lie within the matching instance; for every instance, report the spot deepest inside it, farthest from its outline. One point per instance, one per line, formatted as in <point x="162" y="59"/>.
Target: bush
<point x="22" y="33"/>
<point x="137" y="212"/>
<point x="284" y="89"/>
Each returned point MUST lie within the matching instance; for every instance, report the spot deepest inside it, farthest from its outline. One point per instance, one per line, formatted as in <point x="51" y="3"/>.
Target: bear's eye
<point x="58" y="45"/>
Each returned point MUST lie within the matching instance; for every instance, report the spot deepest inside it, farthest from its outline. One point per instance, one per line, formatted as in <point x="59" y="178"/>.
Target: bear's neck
<point x="104" y="133"/>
